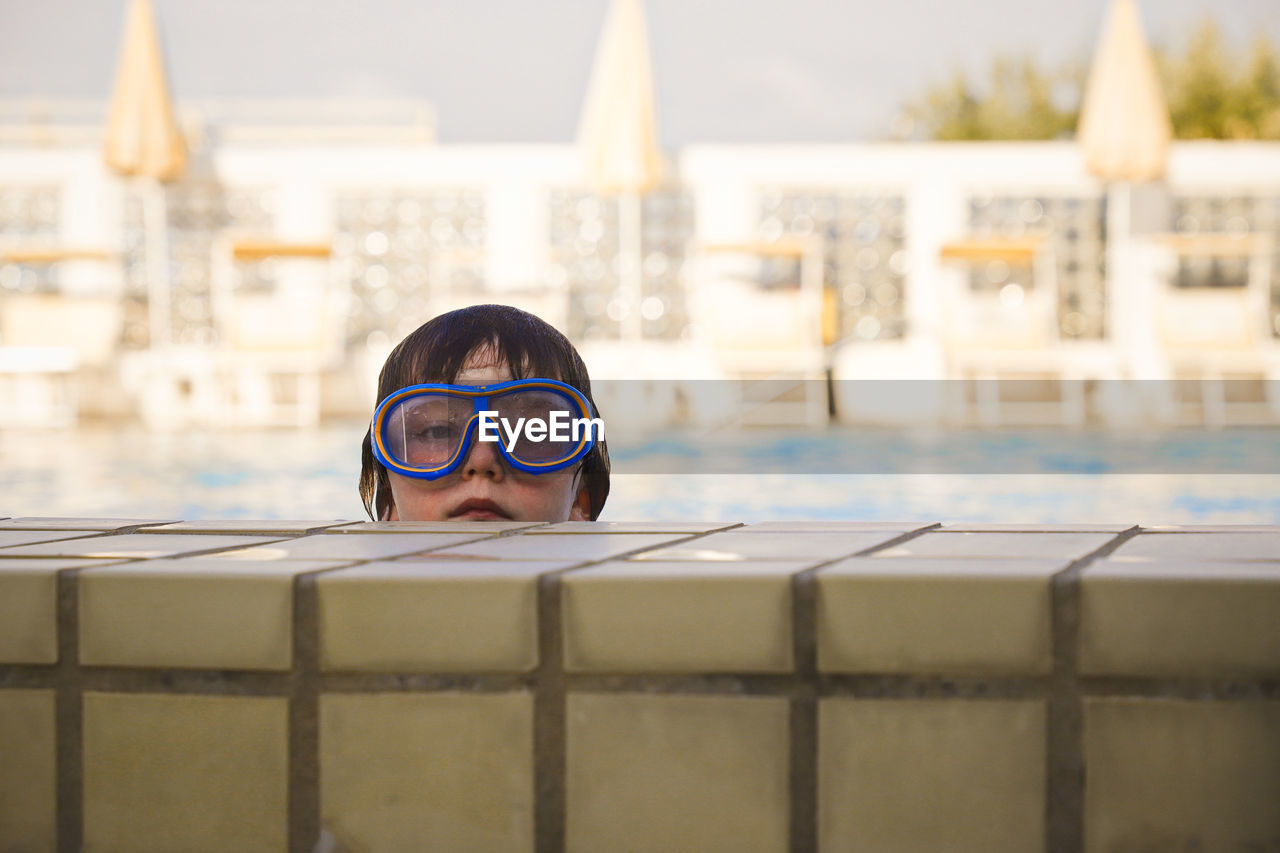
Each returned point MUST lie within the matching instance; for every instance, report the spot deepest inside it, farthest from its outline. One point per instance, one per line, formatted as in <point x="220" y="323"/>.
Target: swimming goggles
<point x="537" y="425"/>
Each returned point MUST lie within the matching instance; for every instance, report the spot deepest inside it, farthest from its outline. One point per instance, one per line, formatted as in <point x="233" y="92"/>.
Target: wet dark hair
<point x="436" y="352"/>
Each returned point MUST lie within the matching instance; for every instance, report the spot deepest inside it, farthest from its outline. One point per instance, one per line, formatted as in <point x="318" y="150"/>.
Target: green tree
<point x="1199" y="87"/>
<point x="1210" y="93"/>
<point x="1020" y="101"/>
<point x="1259" y="102"/>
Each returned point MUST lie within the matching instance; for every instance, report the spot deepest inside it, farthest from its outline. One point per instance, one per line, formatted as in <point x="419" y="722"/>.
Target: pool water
<point x="312" y="474"/>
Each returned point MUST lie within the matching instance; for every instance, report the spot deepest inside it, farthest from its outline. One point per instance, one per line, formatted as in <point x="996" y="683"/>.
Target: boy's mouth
<point x="478" y="509"/>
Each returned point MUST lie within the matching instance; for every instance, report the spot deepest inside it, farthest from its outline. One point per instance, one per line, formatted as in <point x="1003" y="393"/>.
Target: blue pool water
<point x="312" y="474"/>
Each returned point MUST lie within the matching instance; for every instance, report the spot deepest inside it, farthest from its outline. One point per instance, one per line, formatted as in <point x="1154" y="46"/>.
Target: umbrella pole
<point x="630" y="264"/>
<point x="1118" y="255"/>
<point x="157" y="242"/>
<point x="1119" y="214"/>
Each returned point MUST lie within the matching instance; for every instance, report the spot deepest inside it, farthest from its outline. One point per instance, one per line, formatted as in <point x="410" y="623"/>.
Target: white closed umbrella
<point x="1124" y="130"/>
<point x="1124" y="134"/>
<point x="618" y="137"/>
<point x="1124" y="127"/>
<point x="143" y="141"/>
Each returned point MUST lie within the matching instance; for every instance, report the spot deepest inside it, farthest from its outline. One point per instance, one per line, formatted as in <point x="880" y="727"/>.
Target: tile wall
<point x="608" y="686"/>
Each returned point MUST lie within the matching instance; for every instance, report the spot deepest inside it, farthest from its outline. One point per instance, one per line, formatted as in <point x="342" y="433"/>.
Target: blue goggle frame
<point x="480" y="396"/>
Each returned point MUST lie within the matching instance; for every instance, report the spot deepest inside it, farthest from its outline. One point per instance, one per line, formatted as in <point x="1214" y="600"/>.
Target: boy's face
<point x="484" y="487"/>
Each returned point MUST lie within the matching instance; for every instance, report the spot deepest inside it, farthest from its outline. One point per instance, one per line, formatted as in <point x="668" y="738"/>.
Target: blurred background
<point x="217" y="219"/>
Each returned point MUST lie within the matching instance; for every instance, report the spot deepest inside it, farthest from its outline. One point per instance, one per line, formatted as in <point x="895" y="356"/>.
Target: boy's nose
<point x="483" y="460"/>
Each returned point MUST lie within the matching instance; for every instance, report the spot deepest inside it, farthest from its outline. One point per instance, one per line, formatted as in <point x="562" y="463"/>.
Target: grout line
<point x="192" y="682"/>
<point x="249" y="531"/>
<point x="675" y="684"/>
<point x="304" y="719"/>
<point x="1211" y="689"/>
<point x="1064" y="733"/>
<point x="215" y="682"/>
<point x="134" y="528"/>
<point x="122" y="679"/>
<point x="802" y="721"/>
<point x="425" y="682"/>
<point x="909" y="686"/>
<point x="69" y="719"/>
<point x="897" y="540"/>
<point x="549" y="735"/>
<point x="304" y="685"/>
<point x="28" y="676"/>
<point x="518" y="531"/>
<point x="496" y="534"/>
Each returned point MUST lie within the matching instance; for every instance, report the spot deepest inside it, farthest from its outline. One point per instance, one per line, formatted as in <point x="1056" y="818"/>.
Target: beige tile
<point x="1201" y="546"/>
<point x="580" y="547"/>
<point x="924" y="775"/>
<point x="971" y="527"/>
<point x="679" y="617"/>
<point x="1180" y="618"/>
<point x="677" y="773"/>
<point x="1168" y="774"/>
<point x="834" y="526"/>
<point x="1064" y="546"/>
<point x="194" y="613"/>
<point x="28" y="771"/>
<point x="166" y="773"/>
<point x="29" y="611"/>
<point x="135" y="545"/>
<point x="494" y="527"/>
<point x="632" y="527"/>
<point x="736" y="545"/>
<point x="431" y="616"/>
<point x="99" y="524"/>
<point x="57" y="563"/>
<point x="1211" y="528"/>
<point x="439" y="771"/>
<point x="12" y="539"/>
<point x="29" y="608"/>
<point x="284" y="527"/>
<point x="962" y="616"/>
<point x="372" y="547"/>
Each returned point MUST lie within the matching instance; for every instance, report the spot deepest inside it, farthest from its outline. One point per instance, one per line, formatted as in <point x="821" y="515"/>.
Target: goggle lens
<point x="537" y="405"/>
<point x="427" y="431"/>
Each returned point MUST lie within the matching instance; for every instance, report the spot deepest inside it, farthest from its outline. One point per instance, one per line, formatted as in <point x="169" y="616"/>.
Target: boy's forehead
<point x="483" y="373"/>
<point x="482" y="365"/>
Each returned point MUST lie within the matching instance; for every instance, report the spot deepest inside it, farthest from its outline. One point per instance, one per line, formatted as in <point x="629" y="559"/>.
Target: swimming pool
<point x="129" y="472"/>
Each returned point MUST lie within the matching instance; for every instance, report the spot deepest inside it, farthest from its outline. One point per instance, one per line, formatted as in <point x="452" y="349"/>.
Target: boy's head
<point x="483" y="345"/>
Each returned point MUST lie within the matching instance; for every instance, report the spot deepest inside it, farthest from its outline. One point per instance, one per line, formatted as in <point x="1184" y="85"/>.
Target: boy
<point x="428" y="456"/>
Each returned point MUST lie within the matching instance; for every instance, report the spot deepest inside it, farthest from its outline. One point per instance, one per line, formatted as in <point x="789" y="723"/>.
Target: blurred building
<point x="304" y="239"/>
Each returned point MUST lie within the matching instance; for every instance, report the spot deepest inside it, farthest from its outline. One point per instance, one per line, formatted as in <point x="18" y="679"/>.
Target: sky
<point x="499" y="71"/>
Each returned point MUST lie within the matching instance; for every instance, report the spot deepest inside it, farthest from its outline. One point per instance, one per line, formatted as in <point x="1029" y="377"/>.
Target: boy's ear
<point x="581" y="509"/>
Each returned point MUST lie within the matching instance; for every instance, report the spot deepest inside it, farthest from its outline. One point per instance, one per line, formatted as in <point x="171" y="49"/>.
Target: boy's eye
<point x="443" y="431"/>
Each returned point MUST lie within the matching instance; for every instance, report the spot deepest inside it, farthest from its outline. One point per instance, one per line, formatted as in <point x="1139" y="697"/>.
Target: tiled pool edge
<point x="1065" y="694"/>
